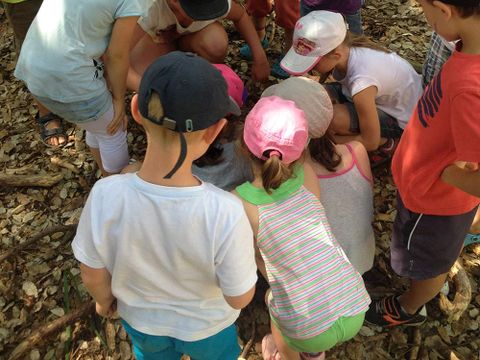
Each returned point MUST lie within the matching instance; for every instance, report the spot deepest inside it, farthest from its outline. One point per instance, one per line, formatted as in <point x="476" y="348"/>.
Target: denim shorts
<point x="221" y="346"/>
<point x="79" y="111"/>
<point x="389" y="127"/>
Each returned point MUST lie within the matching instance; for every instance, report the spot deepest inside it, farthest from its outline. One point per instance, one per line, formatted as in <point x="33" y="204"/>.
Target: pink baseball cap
<point x="236" y="89"/>
<point x="276" y="126"/>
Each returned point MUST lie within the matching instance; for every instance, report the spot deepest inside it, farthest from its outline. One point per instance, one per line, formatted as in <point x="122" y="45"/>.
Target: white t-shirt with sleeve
<point x="399" y="86"/>
<point x="161" y="18"/>
<point x="172" y="253"/>
<point x="60" y="57"/>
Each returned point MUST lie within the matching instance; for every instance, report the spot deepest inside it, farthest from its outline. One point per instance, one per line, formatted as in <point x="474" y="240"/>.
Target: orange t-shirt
<point x="444" y="128"/>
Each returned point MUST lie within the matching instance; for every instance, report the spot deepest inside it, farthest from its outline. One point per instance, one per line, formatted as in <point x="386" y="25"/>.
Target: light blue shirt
<point x="60" y="57"/>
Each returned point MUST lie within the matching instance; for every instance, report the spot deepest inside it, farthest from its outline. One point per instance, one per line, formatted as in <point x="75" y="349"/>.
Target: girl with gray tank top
<point x="343" y="171"/>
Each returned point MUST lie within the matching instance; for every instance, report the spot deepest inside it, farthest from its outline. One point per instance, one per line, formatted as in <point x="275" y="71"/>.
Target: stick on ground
<point x="15" y="180"/>
<point x="46" y="330"/>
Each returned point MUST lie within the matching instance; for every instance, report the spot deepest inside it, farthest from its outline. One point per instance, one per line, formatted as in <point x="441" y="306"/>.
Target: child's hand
<point x="260" y="70"/>
<point x="106" y="310"/>
<point x="119" y="120"/>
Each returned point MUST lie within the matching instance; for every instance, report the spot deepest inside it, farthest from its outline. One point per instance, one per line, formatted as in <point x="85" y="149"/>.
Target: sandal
<point x="471" y="239"/>
<point x="384" y="153"/>
<point x="46" y="133"/>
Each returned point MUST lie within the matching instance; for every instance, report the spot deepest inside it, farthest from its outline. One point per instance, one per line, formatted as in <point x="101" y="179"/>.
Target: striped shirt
<point x="312" y="281"/>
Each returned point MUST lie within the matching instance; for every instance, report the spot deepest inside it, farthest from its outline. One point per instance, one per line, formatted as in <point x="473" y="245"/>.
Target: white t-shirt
<point x="60" y="57"/>
<point x="172" y="253"/>
<point x="161" y="18"/>
<point x="399" y="86"/>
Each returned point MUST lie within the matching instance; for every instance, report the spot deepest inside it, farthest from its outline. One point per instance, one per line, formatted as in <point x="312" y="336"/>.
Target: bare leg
<point x="52" y="124"/>
<point x="285" y="352"/>
<point x="98" y="159"/>
<point x="475" y="228"/>
<point x="421" y="292"/>
<point x="141" y="56"/>
<point x="211" y="43"/>
<point x="260" y="23"/>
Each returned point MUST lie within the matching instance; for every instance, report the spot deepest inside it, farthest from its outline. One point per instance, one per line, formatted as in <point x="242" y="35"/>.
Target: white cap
<point x="315" y="35"/>
<point x="309" y="96"/>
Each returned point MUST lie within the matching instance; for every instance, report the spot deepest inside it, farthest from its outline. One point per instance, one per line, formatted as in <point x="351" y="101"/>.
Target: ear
<point x="134" y="110"/>
<point x="212" y="131"/>
<point x="446" y="9"/>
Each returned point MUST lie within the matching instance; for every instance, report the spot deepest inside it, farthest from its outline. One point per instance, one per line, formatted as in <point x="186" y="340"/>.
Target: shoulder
<point x="361" y="158"/>
<point x="222" y="198"/>
<point x="109" y="187"/>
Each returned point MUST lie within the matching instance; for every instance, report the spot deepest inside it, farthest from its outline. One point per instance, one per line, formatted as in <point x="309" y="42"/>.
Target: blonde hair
<point x="354" y="40"/>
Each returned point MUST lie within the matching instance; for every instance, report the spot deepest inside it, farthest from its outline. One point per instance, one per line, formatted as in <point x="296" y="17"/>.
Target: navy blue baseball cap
<point x="205" y="9"/>
<point x="193" y="94"/>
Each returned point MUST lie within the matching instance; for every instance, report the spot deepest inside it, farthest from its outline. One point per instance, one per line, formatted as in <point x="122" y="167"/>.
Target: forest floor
<point x="39" y="278"/>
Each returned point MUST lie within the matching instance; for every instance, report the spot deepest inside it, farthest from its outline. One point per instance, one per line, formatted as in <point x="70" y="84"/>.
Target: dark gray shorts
<point x="388" y="124"/>
<point x="425" y="246"/>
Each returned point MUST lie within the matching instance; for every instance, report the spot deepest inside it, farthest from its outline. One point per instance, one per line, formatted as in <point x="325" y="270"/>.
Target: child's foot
<point x="384" y="153"/>
<point x="312" y="356"/>
<point x="269" y="348"/>
<point x="471" y="239"/>
<point x="246" y="52"/>
<point x="388" y="312"/>
<point x="277" y="70"/>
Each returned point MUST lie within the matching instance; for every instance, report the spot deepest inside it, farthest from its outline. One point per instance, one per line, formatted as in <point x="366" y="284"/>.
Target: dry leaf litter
<point x="40" y="283"/>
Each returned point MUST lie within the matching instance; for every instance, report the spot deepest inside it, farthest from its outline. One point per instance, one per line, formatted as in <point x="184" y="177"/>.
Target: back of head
<point x="275" y="133"/>
<point x="465" y="8"/>
<point x="309" y="96"/>
<point x="192" y="95"/>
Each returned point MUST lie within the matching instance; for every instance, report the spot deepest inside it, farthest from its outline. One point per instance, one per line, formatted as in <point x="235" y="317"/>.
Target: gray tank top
<point x="347" y="196"/>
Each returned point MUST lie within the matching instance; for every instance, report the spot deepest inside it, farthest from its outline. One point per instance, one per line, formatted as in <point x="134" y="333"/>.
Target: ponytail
<point x="323" y="151"/>
<point x="353" y="40"/>
<point x="275" y="173"/>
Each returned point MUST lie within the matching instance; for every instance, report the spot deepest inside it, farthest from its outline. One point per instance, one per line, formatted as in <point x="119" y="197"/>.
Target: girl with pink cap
<point x="316" y="298"/>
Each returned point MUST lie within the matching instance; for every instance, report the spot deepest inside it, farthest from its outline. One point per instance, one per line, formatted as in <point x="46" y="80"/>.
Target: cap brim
<point x="206" y="10"/>
<point x="296" y="64"/>
<point x="234" y="108"/>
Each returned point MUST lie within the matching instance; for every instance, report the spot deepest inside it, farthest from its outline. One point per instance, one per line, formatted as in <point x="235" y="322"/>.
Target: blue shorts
<point x="221" y="346"/>
<point x="79" y="111"/>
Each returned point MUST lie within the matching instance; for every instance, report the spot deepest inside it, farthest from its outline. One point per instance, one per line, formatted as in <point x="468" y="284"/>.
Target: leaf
<point x="30" y="289"/>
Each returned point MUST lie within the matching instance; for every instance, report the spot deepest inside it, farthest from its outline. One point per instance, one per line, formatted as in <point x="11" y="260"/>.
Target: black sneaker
<point x="388" y="312"/>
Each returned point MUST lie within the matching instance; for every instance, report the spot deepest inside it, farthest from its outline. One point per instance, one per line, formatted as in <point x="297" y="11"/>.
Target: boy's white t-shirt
<point x="161" y="18"/>
<point x="60" y="57"/>
<point x="399" y="86"/>
<point x="172" y="253"/>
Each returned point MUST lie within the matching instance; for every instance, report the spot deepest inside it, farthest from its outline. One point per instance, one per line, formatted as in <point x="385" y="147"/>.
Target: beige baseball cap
<point x="315" y="35"/>
<point x="309" y="96"/>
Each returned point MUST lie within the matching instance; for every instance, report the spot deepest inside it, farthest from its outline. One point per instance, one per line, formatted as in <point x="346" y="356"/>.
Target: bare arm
<point x="465" y="178"/>
<point x="116" y="64"/>
<point x="239" y="302"/>
<point x="244" y="25"/>
<point x="98" y="283"/>
<point x="366" y="109"/>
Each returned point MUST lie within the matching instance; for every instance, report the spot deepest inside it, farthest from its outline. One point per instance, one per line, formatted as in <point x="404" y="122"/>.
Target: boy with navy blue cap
<point x="174" y="255"/>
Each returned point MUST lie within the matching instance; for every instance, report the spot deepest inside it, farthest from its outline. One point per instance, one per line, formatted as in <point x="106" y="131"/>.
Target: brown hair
<point x="464" y="11"/>
<point x="354" y="40"/>
<point x="275" y="173"/>
<point x="323" y="151"/>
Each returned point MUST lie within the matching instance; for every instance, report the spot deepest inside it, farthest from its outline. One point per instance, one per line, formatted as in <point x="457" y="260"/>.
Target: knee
<point x="214" y="47"/>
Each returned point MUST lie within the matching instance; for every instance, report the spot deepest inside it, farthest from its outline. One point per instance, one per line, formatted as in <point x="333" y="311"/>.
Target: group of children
<point x="167" y="246"/>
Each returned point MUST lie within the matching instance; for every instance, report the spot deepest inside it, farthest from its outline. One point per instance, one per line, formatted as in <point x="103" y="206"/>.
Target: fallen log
<point x="463" y="293"/>
<point x="35" y="238"/>
<point x="44" y="331"/>
<point x="15" y="180"/>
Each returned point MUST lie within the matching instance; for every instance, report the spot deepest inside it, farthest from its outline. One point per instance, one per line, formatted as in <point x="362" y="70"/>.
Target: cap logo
<point x="303" y="46"/>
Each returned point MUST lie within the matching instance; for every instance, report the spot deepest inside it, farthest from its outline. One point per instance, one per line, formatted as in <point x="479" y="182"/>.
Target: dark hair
<point x="323" y="151"/>
<point x="465" y="8"/>
<point x="213" y="155"/>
